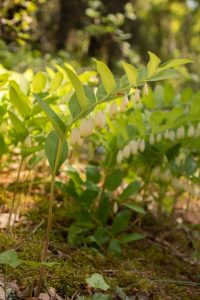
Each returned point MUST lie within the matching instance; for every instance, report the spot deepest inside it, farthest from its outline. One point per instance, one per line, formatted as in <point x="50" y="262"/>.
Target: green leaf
<point x="104" y="209"/>
<point x="114" y="247"/>
<point x="175" y="63"/>
<point x="131" y="73"/>
<point x="57" y="123"/>
<point x="121" y="221"/>
<point x="153" y="64"/>
<point x="195" y="107"/>
<point x="106" y="75"/>
<point x="18" y="126"/>
<point x="113" y="180"/>
<point x="163" y="75"/>
<point x="97" y="281"/>
<point x="101" y="235"/>
<point x="97" y="296"/>
<point x="136" y="207"/>
<point x="132" y="188"/>
<point x="3" y="78"/>
<point x="78" y="87"/>
<point x="51" y="148"/>
<point x="9" y="258"/>
<point x="93" y="173"/>
<point x="125" y="239"/>
<point x="39" y="82"/>
<point x="19" y="100"/>
<point x="56" y="81"/>
<point x="2" y="146"/>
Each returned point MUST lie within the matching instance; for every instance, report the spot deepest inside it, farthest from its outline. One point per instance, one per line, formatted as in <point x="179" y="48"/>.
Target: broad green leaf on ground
<point x="135" y="207"/>
<point x="9" y="258"/>
<point x="153" y="64"/>
<point x="131" y="73"/>
<point x="97" y="281"/>
<point x="51" y="148"/>
<point x="106" y="75"/>
<point x="115" y="247"/>
<point x="57" y="123"/>
<point x="128" y="238"/>
<point x="98" y="296"/>
<point x="121" y="221"/>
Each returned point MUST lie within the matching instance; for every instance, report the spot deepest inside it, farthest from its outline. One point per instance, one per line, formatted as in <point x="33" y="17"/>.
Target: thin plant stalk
<point x="50" y="215"/>
<point x="9" y="226"/>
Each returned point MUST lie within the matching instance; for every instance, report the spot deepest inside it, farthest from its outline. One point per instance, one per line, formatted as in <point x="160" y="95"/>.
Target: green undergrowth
<point x="144" y="267"/>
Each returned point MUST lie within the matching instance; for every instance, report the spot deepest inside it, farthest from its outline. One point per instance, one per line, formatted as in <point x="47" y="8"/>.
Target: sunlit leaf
<point x="106" y="75"/>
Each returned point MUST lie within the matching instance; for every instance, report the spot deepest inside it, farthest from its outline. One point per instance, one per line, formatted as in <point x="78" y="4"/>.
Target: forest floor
<point x="165" y="265"/>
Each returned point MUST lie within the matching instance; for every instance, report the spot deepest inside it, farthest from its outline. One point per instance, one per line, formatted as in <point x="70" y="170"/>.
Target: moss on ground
<point x="143" y="267"/>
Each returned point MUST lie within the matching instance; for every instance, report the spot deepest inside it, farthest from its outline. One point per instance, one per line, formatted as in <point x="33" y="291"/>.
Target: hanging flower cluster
<point x="137" y="146"/>
<point x="133" y="148"/>
<point x="88" y="125"/>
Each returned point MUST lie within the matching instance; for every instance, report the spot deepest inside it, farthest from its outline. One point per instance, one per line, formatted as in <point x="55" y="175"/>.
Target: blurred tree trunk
<point x="71" y="16"/>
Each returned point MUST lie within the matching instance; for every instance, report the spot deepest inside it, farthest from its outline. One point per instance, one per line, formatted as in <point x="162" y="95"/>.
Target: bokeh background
<point x="48" y="30"/>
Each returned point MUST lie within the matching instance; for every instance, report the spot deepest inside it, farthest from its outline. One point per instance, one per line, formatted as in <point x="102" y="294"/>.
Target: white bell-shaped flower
<point x="191" y="131"/>
<point x="159" y="137"/>
<point x="127" y="151"/>
<point x="75" y="138"/>
<point x="172" y="136"/>
<point x="100" y="120"/>
<point x="166" y="134"/>
<point x="134" y="147"/>
<point x="145" y="89"/>
<point x="180" y="133"/>
<point x="142" y="145"/>
<point x="86" y="127"/>
<point x="124" y="104"/>
<point x="113" y="110"/>
<point x="151" y="139"/>
<point x="137" y="94"/>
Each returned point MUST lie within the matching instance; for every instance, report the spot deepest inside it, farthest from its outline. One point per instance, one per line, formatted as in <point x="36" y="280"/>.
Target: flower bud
<point x="145" y="89"/>
<point x="172" y="136"/>
<point x="127" y="151"/>
<point x="159" y="137"/>
<point x="180" y="133"/>
<point x="142" y="145"/>
<point x="191" y="131"/>
<point x="134" y="147"/>
<point x="137" y="94"/>
<point x="151" y="139"/>
<point x="113" y="110"/>
<point x="100" y="119"/>
<point x="119" y="157"/>
<point x="75" y="137"/>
